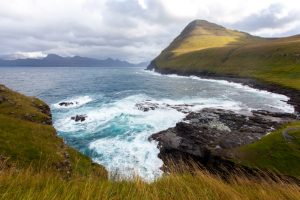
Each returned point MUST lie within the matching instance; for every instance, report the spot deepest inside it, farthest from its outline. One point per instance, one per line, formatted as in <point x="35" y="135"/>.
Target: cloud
<point x="134" y="30"/>
<point x="275" y="20"/>
<point x="20" y="55"/>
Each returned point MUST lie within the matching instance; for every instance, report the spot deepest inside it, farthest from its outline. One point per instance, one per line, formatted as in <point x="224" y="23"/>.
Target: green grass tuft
<point x="274" y="152"/>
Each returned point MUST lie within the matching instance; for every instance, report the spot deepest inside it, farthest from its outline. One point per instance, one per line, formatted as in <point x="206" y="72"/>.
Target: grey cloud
<point x="114" y="28"/>
<point x="268" y="18"/>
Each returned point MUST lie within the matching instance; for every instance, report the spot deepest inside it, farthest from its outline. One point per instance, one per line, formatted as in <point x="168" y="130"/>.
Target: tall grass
<point x="178" y="184"/>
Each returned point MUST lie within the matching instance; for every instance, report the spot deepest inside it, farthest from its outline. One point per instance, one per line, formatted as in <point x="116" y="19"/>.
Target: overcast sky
<point x="133" y="30"/>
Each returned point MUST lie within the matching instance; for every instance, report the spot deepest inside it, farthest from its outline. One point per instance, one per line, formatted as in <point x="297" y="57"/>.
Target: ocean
<point x="115" y="132"/>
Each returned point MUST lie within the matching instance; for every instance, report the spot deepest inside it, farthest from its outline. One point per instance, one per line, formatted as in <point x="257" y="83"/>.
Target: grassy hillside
<point x="27" y="138"/>
<point x="207" y="47"/>
<point x="278" y="151"/>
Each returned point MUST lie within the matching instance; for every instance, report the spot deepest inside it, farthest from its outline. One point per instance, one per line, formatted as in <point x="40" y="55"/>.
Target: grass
<point x="27" y="138"/>
<point x="274" y="152"/>
<point x="207" y="47"/>
<point x="27" y="184"/>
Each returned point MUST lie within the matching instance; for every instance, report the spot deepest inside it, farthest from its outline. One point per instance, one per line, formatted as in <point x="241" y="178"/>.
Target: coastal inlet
<point x="111" y="113"/>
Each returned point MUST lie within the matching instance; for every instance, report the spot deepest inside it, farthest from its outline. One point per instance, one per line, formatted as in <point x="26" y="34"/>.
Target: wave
<point x="282" y="98"/>
<point x="124" y="131"/>
<point x="161" y="118"/>
<point x="129" y="159"/>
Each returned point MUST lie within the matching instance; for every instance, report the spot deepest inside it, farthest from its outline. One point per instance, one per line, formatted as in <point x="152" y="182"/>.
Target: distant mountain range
<point x="53" y="60"/>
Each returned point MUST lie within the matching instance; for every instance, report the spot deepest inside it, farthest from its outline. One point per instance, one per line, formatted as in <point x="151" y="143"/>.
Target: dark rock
<point x="2" y="99"/>
<point x="216" y="131"/>
<point x="65" y="103"/>
<point x="147" y="106"/>
<point x="78" y="118"/>
<point x="44" y="108"/>
<point x="276" y="116"/>
<point x="184" y="108"/>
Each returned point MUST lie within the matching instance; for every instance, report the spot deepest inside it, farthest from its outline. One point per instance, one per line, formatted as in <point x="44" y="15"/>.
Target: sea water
<point x="115" y="133"/>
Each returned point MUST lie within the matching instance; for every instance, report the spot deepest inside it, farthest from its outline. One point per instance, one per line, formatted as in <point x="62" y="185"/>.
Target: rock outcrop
<point x="79" y="118"/>
<point x="147" y="106"/>
<point x="67" y="103"/>
<point x="216" y="131"/>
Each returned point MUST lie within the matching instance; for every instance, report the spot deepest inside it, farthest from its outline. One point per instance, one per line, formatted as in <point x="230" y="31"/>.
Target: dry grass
<point x="179" y="184"/>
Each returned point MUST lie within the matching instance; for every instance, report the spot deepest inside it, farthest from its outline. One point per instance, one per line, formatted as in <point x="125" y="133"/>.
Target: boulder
<point x="65" y="103"/>
<point x="79" y="118"/>
<point x="147" y="106"/>
<point x="2" y="99"/>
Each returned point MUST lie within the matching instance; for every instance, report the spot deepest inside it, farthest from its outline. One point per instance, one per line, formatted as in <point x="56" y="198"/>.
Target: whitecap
<point x="129" y="159"/>
<point x="280" y="99"/>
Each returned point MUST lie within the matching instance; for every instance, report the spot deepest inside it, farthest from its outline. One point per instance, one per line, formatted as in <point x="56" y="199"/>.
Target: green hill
<point x="207" y="48"/>
<point x="28" y="139"/>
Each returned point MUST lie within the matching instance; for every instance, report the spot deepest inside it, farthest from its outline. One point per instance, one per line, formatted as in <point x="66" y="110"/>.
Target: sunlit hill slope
<point x="207" y="48"/>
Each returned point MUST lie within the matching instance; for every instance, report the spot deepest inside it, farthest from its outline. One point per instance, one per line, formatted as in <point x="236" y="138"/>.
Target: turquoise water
<point x="115" y="133"/>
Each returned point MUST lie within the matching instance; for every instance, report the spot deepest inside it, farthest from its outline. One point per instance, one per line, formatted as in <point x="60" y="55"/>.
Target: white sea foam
<point x="164" y="115"/>
<point x="77" y="102"/>
<point x="137" y="157"/>
<point x="281" y="103"/>
<point x="131" y="153"/>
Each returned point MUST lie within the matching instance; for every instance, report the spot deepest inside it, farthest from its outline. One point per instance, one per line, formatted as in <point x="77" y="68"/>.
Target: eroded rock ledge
<point x="213" y="132"/>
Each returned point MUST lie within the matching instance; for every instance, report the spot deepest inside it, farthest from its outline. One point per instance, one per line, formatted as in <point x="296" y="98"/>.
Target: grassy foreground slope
<point x="200" y="185"/>
<point x="204" y="47"/>
<point x="28" y="138"/>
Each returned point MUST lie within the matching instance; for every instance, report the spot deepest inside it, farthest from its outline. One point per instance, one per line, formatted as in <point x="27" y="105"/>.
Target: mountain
<point x="53" y="60"/>
<point x="205" y="48"/>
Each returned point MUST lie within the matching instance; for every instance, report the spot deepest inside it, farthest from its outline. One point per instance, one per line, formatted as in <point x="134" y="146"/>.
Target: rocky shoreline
<point x="207" y="136"/>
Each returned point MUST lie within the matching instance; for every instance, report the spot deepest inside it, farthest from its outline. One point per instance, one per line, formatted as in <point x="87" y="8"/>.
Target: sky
<point x="132" y="30"/>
